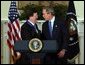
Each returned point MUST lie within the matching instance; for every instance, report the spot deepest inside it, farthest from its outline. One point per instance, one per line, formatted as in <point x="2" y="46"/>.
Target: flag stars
<point x="13" y="18"/>
<point x="16" y="15"/>
<point x="13" y="13"/>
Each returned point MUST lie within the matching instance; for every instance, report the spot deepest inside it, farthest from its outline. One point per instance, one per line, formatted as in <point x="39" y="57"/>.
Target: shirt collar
<point x="52" y="20"/>
<point x="31" y="22"/>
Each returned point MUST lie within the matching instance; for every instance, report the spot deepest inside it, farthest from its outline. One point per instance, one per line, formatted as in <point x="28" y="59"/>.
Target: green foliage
<point x="60" y="11"/>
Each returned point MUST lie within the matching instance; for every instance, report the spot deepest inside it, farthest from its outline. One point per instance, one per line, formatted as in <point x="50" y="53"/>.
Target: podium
<point x="47" y="46"/>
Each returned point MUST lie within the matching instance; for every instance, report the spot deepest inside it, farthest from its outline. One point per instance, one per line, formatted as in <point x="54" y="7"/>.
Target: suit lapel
<point x="31" y="26"/>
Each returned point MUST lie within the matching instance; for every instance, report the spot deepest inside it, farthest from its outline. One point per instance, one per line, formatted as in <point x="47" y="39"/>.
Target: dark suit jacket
<point x="59" y="33"/>
<point x="28" y="32"/>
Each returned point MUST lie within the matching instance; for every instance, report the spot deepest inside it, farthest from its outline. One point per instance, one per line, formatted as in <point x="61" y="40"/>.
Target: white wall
<point x="4" y="9"/>
<point x="79" y="5"/>
<point x="4" y="16"/>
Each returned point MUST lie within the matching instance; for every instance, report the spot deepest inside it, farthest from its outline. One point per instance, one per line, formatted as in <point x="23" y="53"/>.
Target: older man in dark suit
<point x="55" y="29"/>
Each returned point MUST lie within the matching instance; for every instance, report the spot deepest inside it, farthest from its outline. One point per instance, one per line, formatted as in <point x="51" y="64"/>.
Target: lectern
<point x="36" y="48"/>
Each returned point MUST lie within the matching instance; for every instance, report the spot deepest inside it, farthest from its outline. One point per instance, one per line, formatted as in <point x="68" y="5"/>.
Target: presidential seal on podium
<point x="35" y="45"/>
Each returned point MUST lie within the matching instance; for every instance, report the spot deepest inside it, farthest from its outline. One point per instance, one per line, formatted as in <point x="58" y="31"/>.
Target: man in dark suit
<point x="29" y="30"/>
<point x="55" y="29"/>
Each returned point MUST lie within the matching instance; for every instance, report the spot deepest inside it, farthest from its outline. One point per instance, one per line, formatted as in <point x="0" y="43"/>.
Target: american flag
<point x="13" y="25"/>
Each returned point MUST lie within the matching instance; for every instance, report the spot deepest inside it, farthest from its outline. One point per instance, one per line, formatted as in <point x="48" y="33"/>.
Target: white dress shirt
<point x="31" y="22"/>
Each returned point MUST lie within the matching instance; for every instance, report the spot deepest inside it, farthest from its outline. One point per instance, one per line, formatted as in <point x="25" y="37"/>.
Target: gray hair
<point x="49" y="10"/>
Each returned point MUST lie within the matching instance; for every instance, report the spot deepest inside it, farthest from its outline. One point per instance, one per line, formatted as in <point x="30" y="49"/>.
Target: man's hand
<point x="61" y="53"/>
<point x="17" y="56"/>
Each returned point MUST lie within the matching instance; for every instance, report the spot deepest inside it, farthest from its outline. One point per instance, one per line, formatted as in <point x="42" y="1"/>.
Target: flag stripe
<point x="14" y="38"/>
<point x="9" y="44"/>
<point x="17" y="28"/>
<point x="9" y="35"/>
<point x="17" y="23"/>
<point x="15" y="31"/>
<point x="10" y="28"/>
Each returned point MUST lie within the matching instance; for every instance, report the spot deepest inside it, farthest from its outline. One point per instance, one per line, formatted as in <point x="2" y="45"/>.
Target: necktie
<point x="50" y="28"/>
<point x="35" y="28"/>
